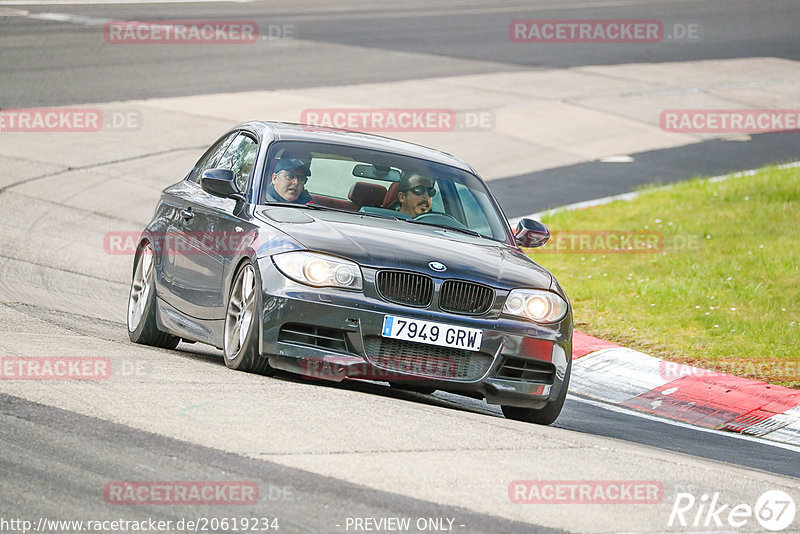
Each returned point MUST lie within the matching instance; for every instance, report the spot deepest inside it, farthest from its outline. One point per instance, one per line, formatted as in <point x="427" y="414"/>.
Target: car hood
<point x="388" y="243"/>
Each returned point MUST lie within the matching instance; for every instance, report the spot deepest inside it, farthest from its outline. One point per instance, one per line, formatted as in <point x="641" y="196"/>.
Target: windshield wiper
<point x="309" y="206"/>
<point x="342" y="210"/>
<point x="462" y="230"/>
<point x="323" y="207"/>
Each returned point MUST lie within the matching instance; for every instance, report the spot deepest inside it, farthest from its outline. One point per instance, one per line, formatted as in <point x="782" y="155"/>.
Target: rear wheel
<point x="541" y="416"/>
<point x="142" y="327"/>
<point x="242" y="324"/>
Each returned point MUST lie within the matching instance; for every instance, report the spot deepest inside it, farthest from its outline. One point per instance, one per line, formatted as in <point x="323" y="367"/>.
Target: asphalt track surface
<point x="106" y="451"/>
<point x="51" y="62"/>
<point x="57" y="457"/>
<point x="47" y="60"/>
<point x="595" y="179"/>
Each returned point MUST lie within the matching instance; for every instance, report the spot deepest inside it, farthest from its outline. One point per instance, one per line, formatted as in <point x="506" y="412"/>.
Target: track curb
<point x="617" y="375"/>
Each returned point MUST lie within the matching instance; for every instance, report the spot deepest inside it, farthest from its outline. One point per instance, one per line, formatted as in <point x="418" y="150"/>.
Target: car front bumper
<point x="332" y="334"/>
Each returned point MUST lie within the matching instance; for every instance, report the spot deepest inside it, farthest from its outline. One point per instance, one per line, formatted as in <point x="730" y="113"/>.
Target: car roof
<point x="284" y="131"/>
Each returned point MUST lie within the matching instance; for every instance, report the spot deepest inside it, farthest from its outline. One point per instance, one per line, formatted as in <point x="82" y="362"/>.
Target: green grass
<point x="723" y="292"/>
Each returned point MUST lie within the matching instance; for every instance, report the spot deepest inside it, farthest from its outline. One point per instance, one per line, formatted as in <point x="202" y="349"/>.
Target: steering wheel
<point x="444" y="219"/>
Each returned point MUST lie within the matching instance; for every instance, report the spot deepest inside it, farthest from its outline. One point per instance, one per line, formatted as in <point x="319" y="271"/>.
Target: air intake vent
<point x="409" y="289"/>
<point x="427" y="361"/>
<point x="527" y="370"/>
<point x="466" y="298"/>
<point x="316" y="336"/>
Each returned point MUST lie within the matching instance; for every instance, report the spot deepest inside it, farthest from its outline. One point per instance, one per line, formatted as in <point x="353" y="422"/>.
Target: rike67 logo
<point x="774" y="510"/>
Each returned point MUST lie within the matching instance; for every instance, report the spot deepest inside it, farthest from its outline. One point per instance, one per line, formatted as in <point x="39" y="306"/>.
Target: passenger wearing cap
<point x="289" y="182"/>
<point x="414" y="192"/>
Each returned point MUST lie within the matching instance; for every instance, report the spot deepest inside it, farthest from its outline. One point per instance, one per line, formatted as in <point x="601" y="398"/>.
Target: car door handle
<point x="187" y="214"/>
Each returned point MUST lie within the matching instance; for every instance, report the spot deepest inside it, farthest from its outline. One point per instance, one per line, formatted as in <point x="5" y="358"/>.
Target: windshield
<point x="380" y="184"/>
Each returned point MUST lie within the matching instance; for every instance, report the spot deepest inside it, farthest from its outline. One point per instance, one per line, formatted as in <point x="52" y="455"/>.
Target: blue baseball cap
<point x="288" y="164"/>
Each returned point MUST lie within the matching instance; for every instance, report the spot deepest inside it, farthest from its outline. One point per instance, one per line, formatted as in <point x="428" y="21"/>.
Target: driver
<point x="414" y="193"/>
<point x="289" y="182"/>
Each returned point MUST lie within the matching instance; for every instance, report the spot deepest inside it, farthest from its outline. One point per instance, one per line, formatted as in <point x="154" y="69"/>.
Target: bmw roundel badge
<point x="436" y="266"/>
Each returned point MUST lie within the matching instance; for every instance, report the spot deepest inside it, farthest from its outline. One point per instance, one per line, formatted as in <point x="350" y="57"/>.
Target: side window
<point x="476" y="218"/>
<point x="437" y="202"/>
<point x="240" y="157"/>
<point x="210" y="157"/>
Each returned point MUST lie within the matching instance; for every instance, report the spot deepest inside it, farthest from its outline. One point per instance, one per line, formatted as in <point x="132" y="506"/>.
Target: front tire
<point x="242" y="324"/>
<point x="142" y="327"/>
<point x="541" y="416"/>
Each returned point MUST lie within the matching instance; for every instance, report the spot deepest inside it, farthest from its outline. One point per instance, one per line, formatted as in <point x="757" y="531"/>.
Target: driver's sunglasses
<point x="299" y="177"/>
<point x="421" y="189"/>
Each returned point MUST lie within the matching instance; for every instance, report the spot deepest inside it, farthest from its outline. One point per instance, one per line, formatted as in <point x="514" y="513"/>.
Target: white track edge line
<point x="630" y="412"/>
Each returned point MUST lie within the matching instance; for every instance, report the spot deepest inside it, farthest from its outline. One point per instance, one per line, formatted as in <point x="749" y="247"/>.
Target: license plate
<point x="432" y="333"/>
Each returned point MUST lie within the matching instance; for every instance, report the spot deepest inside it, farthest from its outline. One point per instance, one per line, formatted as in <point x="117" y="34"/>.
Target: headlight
<point x="536" y="305"/>
<point x="318" y="270"/>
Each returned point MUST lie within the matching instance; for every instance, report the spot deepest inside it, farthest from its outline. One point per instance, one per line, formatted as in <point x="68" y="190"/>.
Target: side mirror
<point x="531" y="233"/>
<point x="220" y="183"/>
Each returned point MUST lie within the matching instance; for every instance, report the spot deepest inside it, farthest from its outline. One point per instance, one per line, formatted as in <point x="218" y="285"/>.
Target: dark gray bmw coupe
<point x="335" y="254"/>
